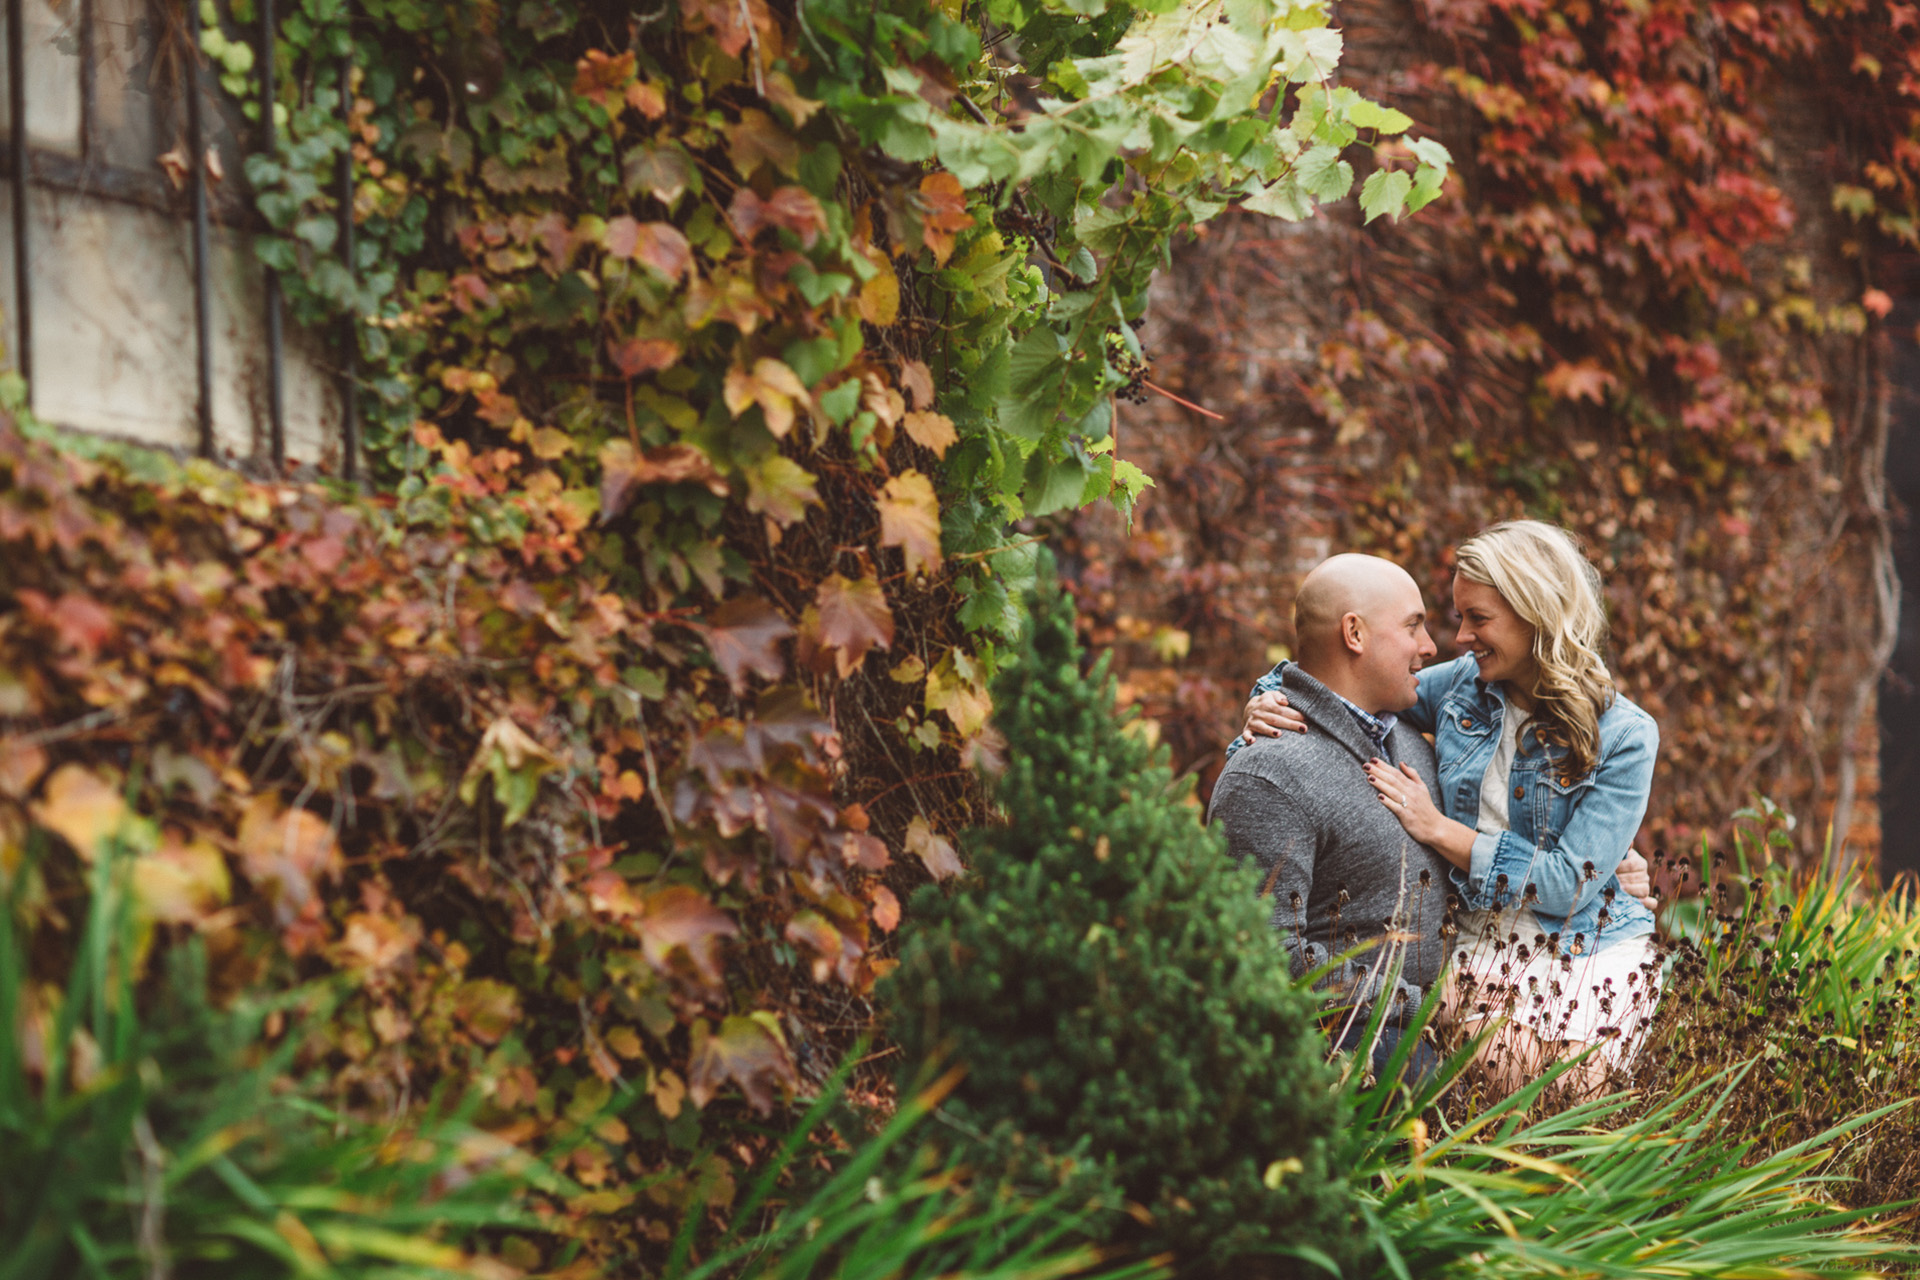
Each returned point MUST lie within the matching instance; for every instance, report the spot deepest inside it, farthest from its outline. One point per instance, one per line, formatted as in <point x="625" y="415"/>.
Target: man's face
<point x="1397" y="646"/>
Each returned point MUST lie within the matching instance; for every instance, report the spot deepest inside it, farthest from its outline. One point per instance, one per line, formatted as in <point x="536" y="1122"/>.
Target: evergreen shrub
<point x="1110" y="982"/>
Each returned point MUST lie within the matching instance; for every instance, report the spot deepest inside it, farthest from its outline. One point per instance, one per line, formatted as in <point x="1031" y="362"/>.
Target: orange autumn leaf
<point x="886" y="909"/>
<point x="635" y="356"/>
<point x="81" y="808"/>
<point x="910" y="519"/>
<point x="943" y="212"/>
<point x="286" y="852"/>
<point x="932" y="431"/>
<point x="1583" y="381"/>
<point x="597" y="75"/>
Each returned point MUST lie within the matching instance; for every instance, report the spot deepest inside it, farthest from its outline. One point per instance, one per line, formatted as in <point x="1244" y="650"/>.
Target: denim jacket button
<point x="1519" y="793"/>
<point x="1466" y="722"/>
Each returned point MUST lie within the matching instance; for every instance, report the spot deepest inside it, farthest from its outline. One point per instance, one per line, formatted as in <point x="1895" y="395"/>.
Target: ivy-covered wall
<point x="1650" y="308"/>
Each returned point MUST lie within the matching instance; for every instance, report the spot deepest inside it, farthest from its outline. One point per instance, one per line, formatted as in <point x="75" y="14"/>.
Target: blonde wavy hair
<point x="1541" y="572"/>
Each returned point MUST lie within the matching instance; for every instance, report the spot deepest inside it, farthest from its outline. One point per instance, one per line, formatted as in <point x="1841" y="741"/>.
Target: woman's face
<point x="1499" y="640"/>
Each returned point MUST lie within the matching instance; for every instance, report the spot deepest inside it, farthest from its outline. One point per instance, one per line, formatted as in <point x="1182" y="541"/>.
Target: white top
<point x="1493" y="786"/>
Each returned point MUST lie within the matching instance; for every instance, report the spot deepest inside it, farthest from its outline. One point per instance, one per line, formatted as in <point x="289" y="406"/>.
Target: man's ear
<point x="1353" y="634"/>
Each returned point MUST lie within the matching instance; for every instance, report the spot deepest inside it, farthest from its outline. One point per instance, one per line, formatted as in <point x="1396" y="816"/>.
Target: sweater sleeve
<point x="1264" y="825"/>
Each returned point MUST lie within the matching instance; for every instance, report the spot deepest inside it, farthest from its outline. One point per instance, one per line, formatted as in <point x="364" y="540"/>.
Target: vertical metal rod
<point x="202" y="250"/>
<point x="22" y="177"/>
<point x="276" y="340"/>
<point x="350" y="335"/>
<point x="89" y="81"/>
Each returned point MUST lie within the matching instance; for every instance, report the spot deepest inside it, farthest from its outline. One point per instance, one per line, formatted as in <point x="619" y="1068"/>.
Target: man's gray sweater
<point x="1335" y="862"/>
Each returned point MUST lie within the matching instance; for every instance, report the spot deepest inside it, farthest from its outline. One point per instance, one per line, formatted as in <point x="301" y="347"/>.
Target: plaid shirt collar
<point x="1375" y="727"/>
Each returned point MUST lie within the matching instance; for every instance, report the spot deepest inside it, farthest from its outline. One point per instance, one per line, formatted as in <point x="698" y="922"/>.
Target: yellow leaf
<point x="880" y="296"/>
<point x="910" y="519"/>
<point x="550" y="442"/>
<point x="965" y="701"/>
<point x="181" y="882"/>
<point x="772" y="386"/>
<point x="82" y="809"/>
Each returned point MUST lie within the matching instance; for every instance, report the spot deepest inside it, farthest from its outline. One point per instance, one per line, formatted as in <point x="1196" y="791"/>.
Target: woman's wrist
<point x="1452" y="841"/>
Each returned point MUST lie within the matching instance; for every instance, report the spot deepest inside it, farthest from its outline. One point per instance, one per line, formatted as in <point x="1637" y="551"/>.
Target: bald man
<point x="1338" y="867"/>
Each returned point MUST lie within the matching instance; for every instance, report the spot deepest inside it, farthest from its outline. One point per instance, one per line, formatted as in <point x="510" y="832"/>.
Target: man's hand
<point x="1635" y="879"/>
<point x="1269" y="715"/>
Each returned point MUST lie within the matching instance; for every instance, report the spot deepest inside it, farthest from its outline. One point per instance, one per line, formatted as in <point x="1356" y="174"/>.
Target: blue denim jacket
<point x="1555" y="830"/>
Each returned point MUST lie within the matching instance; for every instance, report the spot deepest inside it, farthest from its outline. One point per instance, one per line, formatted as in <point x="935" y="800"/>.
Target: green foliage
<point x="885" y="1213"/>
<point x="139" y="1141"/>
<point x="1603" y="1188"/>
<point x="1810" y="978"/>
<point x="1111" y="983"/>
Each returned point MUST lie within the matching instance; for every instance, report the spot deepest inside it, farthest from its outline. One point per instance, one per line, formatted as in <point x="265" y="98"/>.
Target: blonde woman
<point x="1545" y="770"/>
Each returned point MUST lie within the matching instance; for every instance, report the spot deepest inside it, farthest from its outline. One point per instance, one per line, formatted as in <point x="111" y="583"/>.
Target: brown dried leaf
<point x="624" y="469"/>
<point x="853" y="619"/>
<point x="21" y="764"/>
<point x="933" y="850"/>
<point x="679" y="918"/>
<point x="917" y="381"/>
<point x="635" y="356"/>
<point x="745" y="1051"/>
<point x="759" y="139"/>
<point x="772" y="386"/>
<point x="284" y="851"/>
<point x="744" y="635"/>
<point x="791" y="207"/>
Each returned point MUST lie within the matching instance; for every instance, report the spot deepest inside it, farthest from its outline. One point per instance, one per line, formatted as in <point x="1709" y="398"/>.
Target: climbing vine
<point x="712" y="361"/>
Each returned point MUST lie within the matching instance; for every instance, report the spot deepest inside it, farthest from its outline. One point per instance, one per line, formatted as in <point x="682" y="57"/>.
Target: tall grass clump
<point x="1809" y="976"/>
<point x="146" y="1134"/>
<point x="1621" y="1185"/>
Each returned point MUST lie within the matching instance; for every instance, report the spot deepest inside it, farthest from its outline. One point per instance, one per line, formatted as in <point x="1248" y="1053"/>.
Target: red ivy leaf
<point x="635" y="356"/>
<point x="744" y="635"/>
<point x="791" y="207"/>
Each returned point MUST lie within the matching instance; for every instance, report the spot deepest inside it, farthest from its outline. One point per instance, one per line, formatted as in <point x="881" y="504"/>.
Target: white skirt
<point x="1503" y="967"/>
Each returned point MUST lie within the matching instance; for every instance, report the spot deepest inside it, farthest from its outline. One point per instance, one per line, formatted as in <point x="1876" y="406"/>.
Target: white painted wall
<point x="112" y="282"/>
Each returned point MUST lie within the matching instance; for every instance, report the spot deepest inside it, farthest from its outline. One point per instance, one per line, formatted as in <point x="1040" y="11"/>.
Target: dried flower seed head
<point x="1426" y="877"/>
<point x="1587" y="872"/>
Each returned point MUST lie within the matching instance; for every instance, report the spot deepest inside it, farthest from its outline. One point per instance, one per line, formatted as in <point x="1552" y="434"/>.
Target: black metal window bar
<point x="183" y="105"/>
